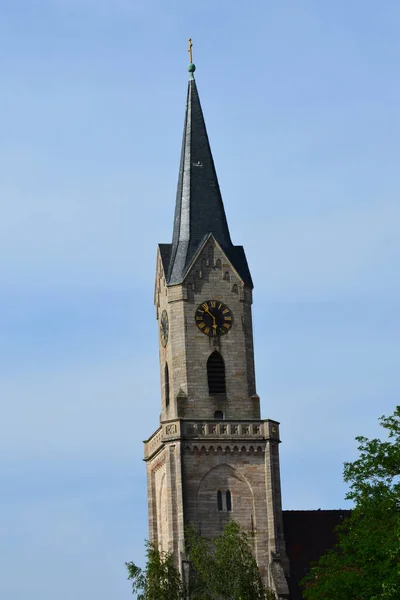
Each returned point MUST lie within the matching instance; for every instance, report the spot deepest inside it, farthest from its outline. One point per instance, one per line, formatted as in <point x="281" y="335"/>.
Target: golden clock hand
<point x="210" y="313"/>
<point x="215" y="322"/>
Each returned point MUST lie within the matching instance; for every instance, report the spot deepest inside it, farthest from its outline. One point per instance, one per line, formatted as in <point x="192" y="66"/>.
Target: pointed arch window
<point x="166" y="384"/>
<point x="219" y="415"/>
<point x="216" y="374"/>
<point x="228" y="501"/>
<point x="219" y="500"/>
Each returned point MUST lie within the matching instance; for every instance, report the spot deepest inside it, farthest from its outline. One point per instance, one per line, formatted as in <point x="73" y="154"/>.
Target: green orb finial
<point x="191" y="67"/>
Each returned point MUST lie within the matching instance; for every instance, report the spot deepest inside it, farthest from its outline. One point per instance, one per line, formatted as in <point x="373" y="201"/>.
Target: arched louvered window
<point x="166" y="383"/>
<point x="216" y="374"/>
<point x="219" y="500"/>
<point x="219" y="415"/>
<point x="228" y="501"/>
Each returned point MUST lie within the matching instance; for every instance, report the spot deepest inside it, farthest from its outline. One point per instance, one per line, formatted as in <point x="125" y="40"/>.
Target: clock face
<point x="164" y="328"/>
<point x="213" y="318"/>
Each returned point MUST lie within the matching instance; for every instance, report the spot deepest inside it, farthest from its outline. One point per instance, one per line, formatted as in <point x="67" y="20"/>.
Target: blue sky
<point x="301" y="102"/>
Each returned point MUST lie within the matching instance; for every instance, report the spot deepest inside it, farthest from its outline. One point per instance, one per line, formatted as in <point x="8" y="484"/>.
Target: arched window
<point x="166" y="383"/>
<point x="219" y="415"/>
<point x="228" y="501"/>
<point x="216" y="374"/>
<point x="219" y="500"/>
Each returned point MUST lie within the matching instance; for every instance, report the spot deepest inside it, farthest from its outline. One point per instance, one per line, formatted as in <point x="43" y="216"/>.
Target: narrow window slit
<point x="216" y="374"/>
<point x="228" y="501"/>
<point x="166" y="381"/>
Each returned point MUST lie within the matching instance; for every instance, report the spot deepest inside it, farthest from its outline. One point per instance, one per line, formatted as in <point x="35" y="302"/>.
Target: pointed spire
<point x="199" y="209"/>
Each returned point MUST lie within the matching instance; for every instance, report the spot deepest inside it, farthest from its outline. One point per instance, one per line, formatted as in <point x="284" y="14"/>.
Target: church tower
<point x="212" y="458"/>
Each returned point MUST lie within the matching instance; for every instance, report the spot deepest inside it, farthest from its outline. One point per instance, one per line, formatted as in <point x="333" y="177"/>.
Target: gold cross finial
<point x="190" y="49"/>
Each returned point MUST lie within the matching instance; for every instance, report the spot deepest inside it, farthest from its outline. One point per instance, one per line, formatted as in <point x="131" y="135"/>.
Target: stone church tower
<point x="212" y="458"/>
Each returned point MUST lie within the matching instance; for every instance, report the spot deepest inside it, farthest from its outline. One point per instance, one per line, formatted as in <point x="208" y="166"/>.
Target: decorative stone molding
<point x="223" y="449"/>
<point x="171" y="429"/>
<point x="212" y="430"/>
<point x="153" y="444"/>
<point x="158" y="463"/>
<point x="220" y="429"/>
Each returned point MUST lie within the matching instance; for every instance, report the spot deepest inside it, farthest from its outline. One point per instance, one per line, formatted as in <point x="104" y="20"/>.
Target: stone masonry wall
<point x="242" y="472"/>
<point x="187" y="351"/>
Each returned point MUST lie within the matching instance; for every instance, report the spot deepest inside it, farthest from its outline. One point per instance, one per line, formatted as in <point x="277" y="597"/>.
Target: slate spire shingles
<point x="199" y="209"/>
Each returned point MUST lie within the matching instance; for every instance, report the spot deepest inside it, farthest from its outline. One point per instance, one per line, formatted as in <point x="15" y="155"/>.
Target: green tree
<point x="365" y="564"/>
<point x="160" y="580"/>
<point x="225" y="567"/>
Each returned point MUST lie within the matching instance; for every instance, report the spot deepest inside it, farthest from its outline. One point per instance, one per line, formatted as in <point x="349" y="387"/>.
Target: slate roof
<point x="308" y="535"/>
<point x="199" y="208"/>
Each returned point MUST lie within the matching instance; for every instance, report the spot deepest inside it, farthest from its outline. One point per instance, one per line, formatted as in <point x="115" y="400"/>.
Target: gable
<point x="235" y="257"/>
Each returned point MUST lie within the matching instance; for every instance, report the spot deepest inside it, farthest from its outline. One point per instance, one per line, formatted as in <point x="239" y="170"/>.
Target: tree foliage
<point x="225" y="567"/>
<point x="365" y="564"/>
<point x="160" y="580"/>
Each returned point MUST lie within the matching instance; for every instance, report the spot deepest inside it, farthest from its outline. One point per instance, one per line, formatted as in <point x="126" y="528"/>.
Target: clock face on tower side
<point x="164" y="328"/>
<point x="213" y="318"/>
